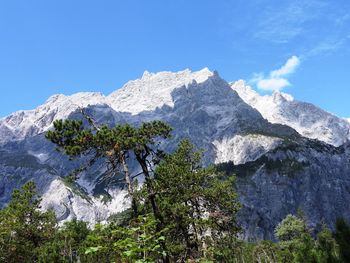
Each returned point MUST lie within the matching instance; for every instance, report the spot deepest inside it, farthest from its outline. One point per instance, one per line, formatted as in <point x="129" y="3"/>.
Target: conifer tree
<point x="23" y="227"/>
<point x="327" y="247"/>
<point x="342" y="236"/>
<point x="198" y="206"/>
<point x="296" y="241"/>
<point x="113" y="144"/>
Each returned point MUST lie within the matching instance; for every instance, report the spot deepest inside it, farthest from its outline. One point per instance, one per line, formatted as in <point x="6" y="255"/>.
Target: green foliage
<point x="287" y="166"/>
<point x="65" y="246"/>
<point x="290" y="228"/>
<point x="295" y="240"/>
<point x="137" y="242"/>
<point x="29" y="235"/>
<point x="23" y="227"/>
<point x="114" y="145"/>
<point x="71" y="136"/>
<point x="99" y="244"/>
<point x="194" y="202"/>
<point x="74" y="139"/>
<point x="122" y="218"/>
<point x="327" y="247"/>
<point x="266" y="251"/>
<point x="183" y="213"/>
<point x="141" y="242"/>
<point x="342" y="237"/>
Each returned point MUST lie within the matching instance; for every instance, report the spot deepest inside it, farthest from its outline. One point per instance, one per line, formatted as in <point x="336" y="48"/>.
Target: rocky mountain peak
<point x="307" y="119"/>
<point x="280" y="97"/>
<point x="25" y="123"/>
<point x="154" y="90"/>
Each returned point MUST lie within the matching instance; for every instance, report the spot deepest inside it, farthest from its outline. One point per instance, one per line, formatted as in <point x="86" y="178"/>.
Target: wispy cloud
<point x="282" y="23"/>
<point x="277" y="79"/>
<point x="307" y="27"/>
<point x="327" y="46"/>
<point x="319" y="24"/>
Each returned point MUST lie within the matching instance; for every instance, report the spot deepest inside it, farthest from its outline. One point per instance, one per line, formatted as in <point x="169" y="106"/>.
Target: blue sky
<point x="63" y="46"/>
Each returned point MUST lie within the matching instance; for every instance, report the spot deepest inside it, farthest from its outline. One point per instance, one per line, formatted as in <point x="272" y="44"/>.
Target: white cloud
<point x="288" y="68"/>
<point x="277" y="80"/>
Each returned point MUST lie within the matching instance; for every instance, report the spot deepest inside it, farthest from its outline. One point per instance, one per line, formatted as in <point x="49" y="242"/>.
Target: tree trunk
<point x="149" y="186"/>
<point x="152" y="198"/>
<point x="129" y="183"/>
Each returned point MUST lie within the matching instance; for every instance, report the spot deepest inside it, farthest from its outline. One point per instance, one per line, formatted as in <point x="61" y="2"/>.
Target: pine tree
<point x="342" y="236"/>
<point x="198" y="206"/>
<point x="67" y="243"/>
<point x="23" y="227"/>
<point x="327" y="247"/>
<point x="115" y="144"/>
<point x="296" y="241"/>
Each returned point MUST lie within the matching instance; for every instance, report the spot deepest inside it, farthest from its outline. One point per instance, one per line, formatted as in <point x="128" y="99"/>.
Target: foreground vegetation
<point x="182" y="213"/>
<point x="30" y="235"/>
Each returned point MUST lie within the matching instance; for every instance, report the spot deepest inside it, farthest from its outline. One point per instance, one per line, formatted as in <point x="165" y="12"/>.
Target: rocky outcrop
<point x="308" y="176"/>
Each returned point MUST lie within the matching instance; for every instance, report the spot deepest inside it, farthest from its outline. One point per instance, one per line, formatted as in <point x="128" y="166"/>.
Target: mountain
<point x="278" y="170"/>
<point x="309" y="120"/>
<point x="141" y="95"/>
<point x="295" y="175"/>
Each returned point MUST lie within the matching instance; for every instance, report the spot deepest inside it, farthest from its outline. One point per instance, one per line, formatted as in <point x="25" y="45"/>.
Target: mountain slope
<point x="306" y="175"/>
<point x="307" y="119"/>
<point x="198" y="105"/>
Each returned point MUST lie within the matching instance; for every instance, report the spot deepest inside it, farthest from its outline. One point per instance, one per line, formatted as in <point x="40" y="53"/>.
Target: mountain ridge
<point x="306" y="118"/>
<point x="152" y="94"/>
<point x="200" y="106"/>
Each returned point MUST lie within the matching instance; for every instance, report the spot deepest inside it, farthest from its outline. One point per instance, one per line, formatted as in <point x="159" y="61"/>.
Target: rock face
<point x="278" y="170"/>
<point x="306" y="175"/>
<point x="307" y="119"/>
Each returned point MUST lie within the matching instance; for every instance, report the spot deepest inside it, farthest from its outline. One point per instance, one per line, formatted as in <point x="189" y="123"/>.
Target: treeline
<point x="183" y="212"/>
<point x="30" y="235"/>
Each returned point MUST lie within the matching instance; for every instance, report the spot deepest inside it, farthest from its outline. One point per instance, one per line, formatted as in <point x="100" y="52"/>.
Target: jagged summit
<point x="309" y="120"/>
<point x="186" y="73"/>
<point x="154" y="89"/>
